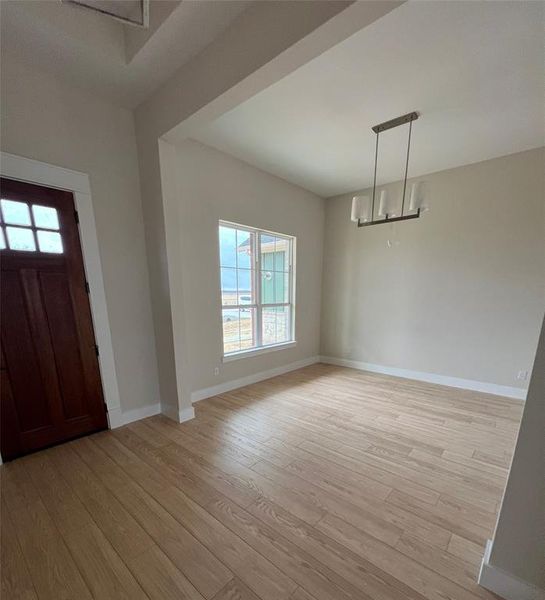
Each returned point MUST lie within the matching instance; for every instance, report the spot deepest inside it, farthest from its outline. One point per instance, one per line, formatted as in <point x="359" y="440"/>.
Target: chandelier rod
<point x="374" y="180"/>
<point x="406" y="167"/>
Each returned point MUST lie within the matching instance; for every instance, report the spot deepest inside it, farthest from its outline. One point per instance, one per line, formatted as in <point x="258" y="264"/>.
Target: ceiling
<point x="120" y="63"/>
<point x="474" y="70"/>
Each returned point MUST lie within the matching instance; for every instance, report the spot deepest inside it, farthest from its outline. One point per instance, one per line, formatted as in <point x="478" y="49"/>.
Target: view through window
<point x="256" y="287"/>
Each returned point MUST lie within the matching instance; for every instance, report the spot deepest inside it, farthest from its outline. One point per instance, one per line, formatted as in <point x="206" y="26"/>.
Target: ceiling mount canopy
<point x="130" y="12"/>
<point x="363" y="208"/>
<point x="412" y="116"/>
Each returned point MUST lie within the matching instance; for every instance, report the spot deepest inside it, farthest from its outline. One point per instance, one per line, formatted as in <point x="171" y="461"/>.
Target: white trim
<point x="253" y="229"/>
<point x="136" y="414"/>
<point x="34" y="171"/>
<point x="249" y="379"/>
<point x="186" y="414"/>
<point x="466" y="384"/>
<point x="504" y="584"/>
<point x="256" y="351"/>
<point x="40" y="173"/>
<point x="180" y="416"/>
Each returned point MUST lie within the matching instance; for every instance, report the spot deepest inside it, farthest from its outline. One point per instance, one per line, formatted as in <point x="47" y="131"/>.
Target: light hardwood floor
<point x="322" y="484"/>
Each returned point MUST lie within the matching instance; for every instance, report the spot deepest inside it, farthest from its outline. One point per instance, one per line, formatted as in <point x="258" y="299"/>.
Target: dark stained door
<point x="50" y="381"/>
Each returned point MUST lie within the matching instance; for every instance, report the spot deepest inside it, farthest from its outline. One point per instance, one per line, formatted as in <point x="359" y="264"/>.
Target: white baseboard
<point x="253" y="378"/>
<point x="466" y="384"/>
<point x="186" y="414"/>
<point x="115" y="418"/>
<point x="504" y="584"/>
<point x="128" y="416"/>
<point x="118" y="418"/>
<point x="180" y="416"/>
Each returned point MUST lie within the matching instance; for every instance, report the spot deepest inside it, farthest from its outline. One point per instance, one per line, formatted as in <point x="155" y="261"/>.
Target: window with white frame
<point x="257" y="284"/>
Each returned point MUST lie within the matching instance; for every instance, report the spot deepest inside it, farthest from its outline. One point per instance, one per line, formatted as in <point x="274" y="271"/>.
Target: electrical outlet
<point x="522" y="375"/>
<point x="217" y="371"/>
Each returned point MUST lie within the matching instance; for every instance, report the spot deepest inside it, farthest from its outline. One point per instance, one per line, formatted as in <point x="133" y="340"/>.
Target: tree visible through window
<point x="256" y="287"/>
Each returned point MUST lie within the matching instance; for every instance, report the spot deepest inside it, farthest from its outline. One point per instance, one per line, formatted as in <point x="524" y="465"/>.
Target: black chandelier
<point x="360" y="212"/>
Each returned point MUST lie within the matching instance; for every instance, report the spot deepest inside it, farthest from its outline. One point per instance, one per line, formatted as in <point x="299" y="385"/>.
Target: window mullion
<point x="33" y="226"/>
<point x="257" y="283"/>
<point x="235" y="306"/>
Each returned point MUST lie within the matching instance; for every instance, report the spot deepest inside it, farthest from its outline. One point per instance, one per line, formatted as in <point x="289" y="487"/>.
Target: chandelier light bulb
<point x="382" y="205"/>
<point x="413" y="199"/>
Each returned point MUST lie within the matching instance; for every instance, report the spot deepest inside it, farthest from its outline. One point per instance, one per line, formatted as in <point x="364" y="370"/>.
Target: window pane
<point x="267" y="287"/>
<point x="246" y="298"/>
<point x="231" y="330"/>
<point x="268" y="326"/>
<point x="245" y="286"/>
<point x="50" y="241"/>
<point x="275" y="253"/>
<point x="281" y="288"/>
<point x="247" y="328"/>
<point x="267" y="252"/>
<point x="238" y="329"/>
<point x="228" y="286"/>
<point x="228" y="246"/>
<point x="244" y="249"/>
<point x="275" y="323"/>
<point x="16" y="213"/>
<point x="282" y="255"/>
<point x="45" y="216"/>
<point x="275" y="287"/>
<point x="20" y="239"/>
<point x="2" y="240"/>
<point x="283" y="333"/>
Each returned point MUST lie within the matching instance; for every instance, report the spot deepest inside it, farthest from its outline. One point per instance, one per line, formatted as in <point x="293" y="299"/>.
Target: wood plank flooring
<point x="323" y="484"/>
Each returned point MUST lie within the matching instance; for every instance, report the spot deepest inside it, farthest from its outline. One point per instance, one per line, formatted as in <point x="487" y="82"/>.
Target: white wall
<point x="54" y="123"/>
<point x="213" y="186"/>
<point x="518" y="549"/>
<point x="460" y="292"/>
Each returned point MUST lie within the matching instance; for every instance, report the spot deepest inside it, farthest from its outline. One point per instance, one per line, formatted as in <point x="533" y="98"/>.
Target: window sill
<point x="257" y="351"/>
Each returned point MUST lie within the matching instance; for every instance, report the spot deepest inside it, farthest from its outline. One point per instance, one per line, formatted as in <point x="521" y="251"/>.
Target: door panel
<point x="64" y="338"/>
<point x="53" y="389"/>
<point x="8" y="415"/>
<point x="26" y="381"/>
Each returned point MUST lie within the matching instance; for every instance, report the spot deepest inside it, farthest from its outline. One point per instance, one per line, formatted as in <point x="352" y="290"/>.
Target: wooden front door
<point x="50" y="381"/>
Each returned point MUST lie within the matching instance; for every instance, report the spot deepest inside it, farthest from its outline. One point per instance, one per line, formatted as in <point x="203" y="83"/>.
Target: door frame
<point x="28" y="170"/>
